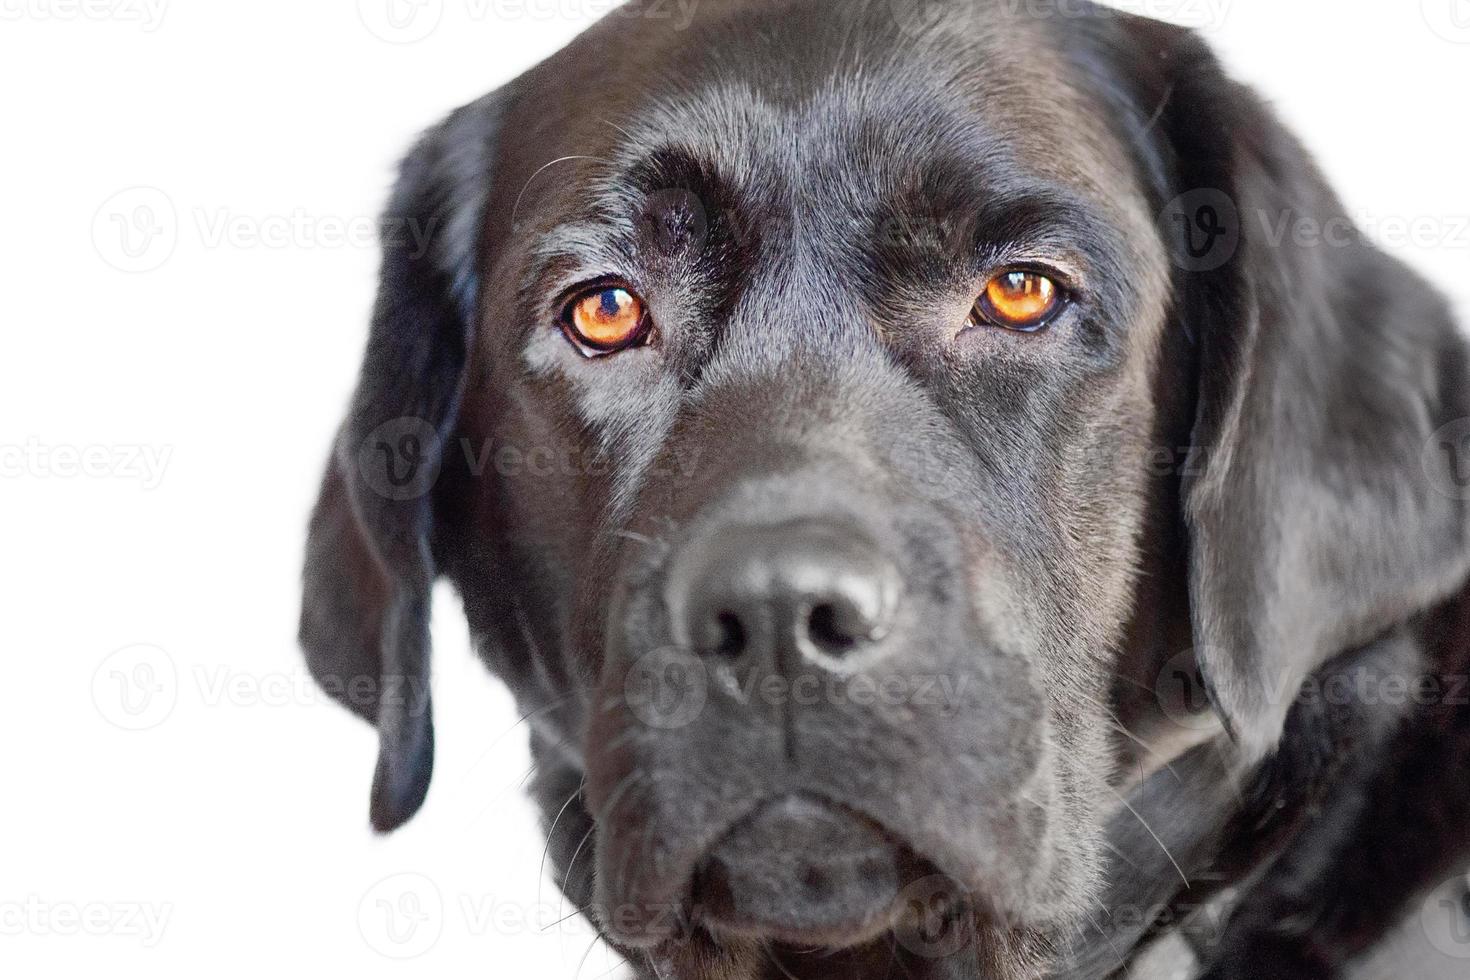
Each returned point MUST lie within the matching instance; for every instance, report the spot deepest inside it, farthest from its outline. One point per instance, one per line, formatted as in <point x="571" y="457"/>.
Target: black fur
<point x="809" y="196"/>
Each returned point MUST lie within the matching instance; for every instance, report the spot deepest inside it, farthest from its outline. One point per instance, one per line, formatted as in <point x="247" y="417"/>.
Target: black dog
<point x="845" y="423"/>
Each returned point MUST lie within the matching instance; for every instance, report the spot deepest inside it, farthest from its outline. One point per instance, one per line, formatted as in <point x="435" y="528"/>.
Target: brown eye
<point x="1019" y="300"/>
<point x="606" y="319"/>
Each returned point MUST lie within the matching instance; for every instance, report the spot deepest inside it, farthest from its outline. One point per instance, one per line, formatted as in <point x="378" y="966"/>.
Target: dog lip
<point x="804" y="872"/>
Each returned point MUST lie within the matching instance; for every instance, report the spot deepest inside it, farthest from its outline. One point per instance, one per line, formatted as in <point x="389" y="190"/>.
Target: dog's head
<point x="810" y="401"/>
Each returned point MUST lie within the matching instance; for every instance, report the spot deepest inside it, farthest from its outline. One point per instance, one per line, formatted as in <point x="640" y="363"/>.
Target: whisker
<point x="1136" y="683"/>
<point x="1118" y="853"/>
<point x="621" y="739"/>
<point x="539" y="662"/>
<point x="550" y="834"/>
<point x="1118" y="726"/>
<point x="585" y="956"/>
<point x="618" y="790"/>
<point x="609" y="971"/>
<point x="1122" y="960"/>
<point x="1162" y="846"/>
<point x="545" y="166"/>
<point x="612" y="802"/>
<point x="642" y="539"/>
<point x="570" y="915"/>
<point x="571" y="866"/>
<point x="552" y="705"/>
<point x="897" y="959"/>
<point x="765" y="948"/>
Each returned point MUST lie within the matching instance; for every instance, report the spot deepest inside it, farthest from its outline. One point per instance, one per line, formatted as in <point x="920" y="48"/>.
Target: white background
<point x="201" y="391"/>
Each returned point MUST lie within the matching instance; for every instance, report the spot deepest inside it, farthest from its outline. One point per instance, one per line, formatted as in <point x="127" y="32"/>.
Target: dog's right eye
<point x="1019" y="300"/>
<point x="606" y="319"/>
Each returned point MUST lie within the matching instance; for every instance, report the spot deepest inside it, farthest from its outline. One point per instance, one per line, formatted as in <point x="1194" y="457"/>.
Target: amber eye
<point x="606" y="319"/>
<point x="1019" y="300"/>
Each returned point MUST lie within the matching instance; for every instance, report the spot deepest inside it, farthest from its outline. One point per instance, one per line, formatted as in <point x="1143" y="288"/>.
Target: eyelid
<point x="1068" y="278"/>
<point x="581" y="286"/>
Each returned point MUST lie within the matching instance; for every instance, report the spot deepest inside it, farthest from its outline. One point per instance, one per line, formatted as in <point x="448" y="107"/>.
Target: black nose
<point x="801" y="590"/>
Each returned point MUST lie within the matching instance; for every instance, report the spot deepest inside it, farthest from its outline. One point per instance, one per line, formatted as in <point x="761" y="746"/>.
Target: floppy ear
<point x="1325" y="369"/>
<point x="369" y="564"/>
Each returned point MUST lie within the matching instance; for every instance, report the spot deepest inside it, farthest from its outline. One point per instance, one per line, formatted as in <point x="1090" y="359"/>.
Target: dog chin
<point x="802" y="873"/>
<point x="806" y="873"/>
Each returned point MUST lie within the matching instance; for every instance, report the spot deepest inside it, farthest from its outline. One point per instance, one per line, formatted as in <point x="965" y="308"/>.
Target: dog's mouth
<point x="806" y="873"/>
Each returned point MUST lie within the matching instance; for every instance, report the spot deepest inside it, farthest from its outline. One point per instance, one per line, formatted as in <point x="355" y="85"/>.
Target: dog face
<point x="780" y="395"/>
<point x="875" y="528"/>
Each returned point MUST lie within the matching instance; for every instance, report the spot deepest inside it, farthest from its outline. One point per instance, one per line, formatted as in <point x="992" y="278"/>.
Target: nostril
<point x="826" y="629"/>
<point x="730" y="635"/>
<point x="775" y="595"/>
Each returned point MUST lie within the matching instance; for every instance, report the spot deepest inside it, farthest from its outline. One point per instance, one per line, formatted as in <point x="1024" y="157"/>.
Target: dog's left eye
<point x="606" y="319"/>
<point x="1019" y="300"/>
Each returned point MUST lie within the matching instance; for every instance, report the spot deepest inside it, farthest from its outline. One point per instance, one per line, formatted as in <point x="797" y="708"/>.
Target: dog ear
<point x="1325" y="372"/>
<point x="369" y="563"/>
